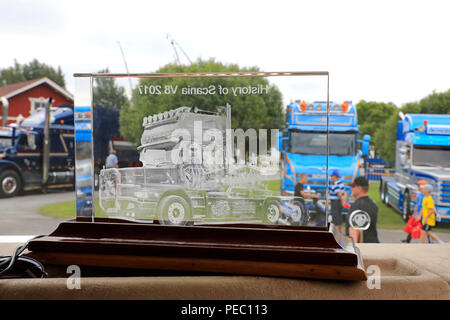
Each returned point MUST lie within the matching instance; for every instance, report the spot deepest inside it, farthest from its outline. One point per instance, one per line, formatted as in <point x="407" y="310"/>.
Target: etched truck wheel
<point x="174" y="210"/>
<point x="303" y="215"/>
<point x="10" y="184"/>
<point x="272" y="212"/>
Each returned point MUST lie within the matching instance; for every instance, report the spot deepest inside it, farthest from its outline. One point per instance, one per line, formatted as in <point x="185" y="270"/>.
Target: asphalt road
<point x="18" y="216"/>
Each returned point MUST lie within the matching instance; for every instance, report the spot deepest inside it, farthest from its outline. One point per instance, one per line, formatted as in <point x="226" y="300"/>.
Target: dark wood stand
<point x="301" y="252"/>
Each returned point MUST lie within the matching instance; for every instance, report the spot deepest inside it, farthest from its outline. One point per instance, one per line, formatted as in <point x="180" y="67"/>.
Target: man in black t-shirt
<point x="299" y="190"/>
<point x="360" y="189"/>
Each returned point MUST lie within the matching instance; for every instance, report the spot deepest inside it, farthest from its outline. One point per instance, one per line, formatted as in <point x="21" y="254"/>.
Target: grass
<point x="388" y="218"/>
<point x="66" y="210"/>
<point x="273" y="185"/>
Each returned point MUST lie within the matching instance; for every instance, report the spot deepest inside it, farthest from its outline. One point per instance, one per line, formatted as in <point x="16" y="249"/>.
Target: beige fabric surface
<point x="408" y="271"/>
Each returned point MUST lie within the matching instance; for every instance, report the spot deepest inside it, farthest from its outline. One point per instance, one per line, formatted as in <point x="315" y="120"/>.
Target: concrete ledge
<point x="408" y="271"/>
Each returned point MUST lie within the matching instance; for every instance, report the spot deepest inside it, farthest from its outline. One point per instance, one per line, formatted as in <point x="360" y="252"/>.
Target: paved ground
<point x="395" y="236"/>
<point x="18" y="216"/>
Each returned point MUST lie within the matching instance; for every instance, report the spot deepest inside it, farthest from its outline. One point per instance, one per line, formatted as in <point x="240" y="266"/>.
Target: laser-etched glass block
<point x="212" y="148"/>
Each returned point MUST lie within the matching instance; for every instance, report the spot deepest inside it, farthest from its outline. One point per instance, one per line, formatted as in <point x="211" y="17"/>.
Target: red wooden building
<point x="20" y="100"/>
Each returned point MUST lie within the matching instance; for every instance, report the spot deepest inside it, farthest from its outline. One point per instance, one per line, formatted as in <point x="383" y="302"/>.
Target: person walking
<point x="337" y="199"/>
<point x="417" y="207"/>
<point x="428" y="215"/>
<point x="111" y="160"/>
<point x="360" y="191"/>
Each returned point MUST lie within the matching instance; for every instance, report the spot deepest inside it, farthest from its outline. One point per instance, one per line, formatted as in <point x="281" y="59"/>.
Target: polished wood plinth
<point x="285" y="251"/>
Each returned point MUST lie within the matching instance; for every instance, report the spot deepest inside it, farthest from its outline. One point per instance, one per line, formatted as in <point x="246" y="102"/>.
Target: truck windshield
<point x="162" y="175"/>
<point x="340" y="144"/>
<point x="5" y="141"/>
<point x="431" y="156"/>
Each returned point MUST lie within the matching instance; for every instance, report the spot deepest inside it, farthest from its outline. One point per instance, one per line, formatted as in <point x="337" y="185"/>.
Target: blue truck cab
<point x="303" y="144"/>
<point x="21" y="153"/>
<point x="422" y="153"/>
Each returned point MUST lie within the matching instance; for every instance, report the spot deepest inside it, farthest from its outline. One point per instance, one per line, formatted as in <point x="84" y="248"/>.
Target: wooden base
<point x="303" y="252"/>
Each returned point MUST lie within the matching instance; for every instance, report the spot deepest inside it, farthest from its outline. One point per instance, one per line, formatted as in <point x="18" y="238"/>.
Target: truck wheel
<point x="303" y="212"/>
<point x="272" y="212"/>
<point x="10" y="184"/>
<point x="174" y="210"/>
<point x="406" y="210"/>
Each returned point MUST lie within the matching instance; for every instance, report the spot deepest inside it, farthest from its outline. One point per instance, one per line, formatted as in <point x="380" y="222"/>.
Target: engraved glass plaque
<point x="211" y="172"/>
<point x="209" y="148"/>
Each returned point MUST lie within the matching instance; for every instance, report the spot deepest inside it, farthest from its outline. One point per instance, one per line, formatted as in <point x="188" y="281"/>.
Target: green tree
<point x="107" y="93"/>
<point x="437" y="103"/>
<point x="385" y="135"/>
<point x="372" y="114"/>
<point x="248" y="111"/>
<point x="33" y="70"/>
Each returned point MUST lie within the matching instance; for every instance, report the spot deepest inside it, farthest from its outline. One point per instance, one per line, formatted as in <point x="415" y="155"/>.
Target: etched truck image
<point x="187" y="178"/>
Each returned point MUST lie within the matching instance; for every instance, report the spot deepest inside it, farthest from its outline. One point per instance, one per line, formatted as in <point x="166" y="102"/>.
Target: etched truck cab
<point x="186" y="176"/>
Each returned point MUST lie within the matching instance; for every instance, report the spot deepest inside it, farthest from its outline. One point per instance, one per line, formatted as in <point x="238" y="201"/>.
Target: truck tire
<point x="304" y="213"/>
<point x="174" y="210"/>
<point x="406" y="211"/>
<point x="10" y="184"/>
<point x="271" y="212"/>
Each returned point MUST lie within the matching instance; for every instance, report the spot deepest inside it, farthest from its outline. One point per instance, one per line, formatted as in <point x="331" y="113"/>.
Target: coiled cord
<point x="21" y="267"/>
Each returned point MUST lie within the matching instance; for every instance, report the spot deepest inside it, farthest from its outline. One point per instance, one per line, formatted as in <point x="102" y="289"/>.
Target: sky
<point x="385" y="51"/>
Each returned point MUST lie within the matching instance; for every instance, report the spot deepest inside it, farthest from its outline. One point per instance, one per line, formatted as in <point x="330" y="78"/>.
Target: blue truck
<point x="422" y="153"/>
<point x="22" y="153"/>
<point x="303" y="144"/>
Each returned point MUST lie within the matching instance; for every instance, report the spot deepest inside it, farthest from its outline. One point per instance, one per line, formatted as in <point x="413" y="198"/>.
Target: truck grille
<point x="444" y="193"/>
<point x="319" y="179"/>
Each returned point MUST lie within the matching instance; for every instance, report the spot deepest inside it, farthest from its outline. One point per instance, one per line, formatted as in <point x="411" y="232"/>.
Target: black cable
<point x="18" y="267"/>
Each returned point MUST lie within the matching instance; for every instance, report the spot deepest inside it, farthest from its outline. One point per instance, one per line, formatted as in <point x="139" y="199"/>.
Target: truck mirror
<point x="31" y="141"/>
<point x="359" y="220"/>
<point x="365" y="145"/>
<point x="365" y="148"/>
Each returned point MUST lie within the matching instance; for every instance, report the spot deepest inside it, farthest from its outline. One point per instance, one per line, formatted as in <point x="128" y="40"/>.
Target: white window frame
<point x="33" y="102"/>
